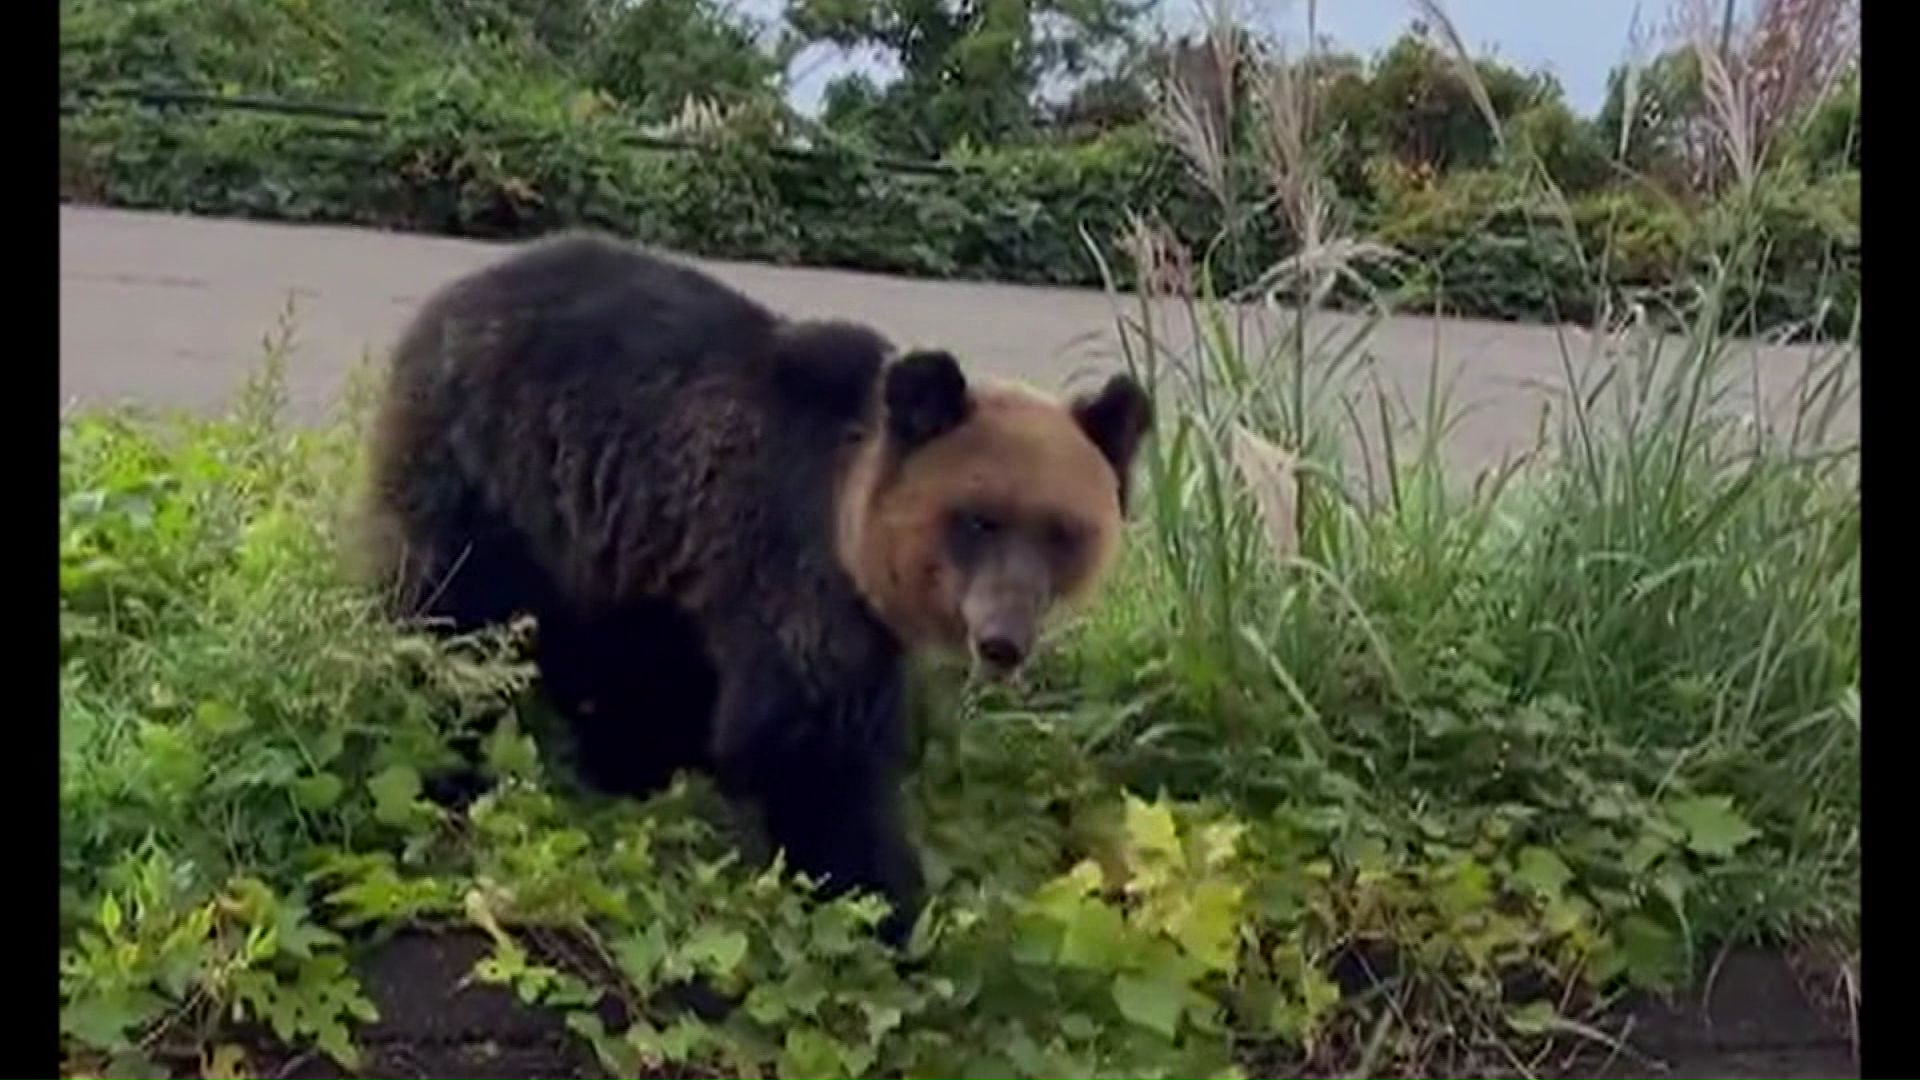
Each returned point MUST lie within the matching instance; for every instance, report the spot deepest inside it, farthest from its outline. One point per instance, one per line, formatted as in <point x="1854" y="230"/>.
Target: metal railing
<point x="189" y="98"/>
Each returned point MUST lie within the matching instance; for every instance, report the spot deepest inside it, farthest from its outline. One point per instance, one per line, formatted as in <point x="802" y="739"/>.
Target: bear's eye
<point x="1061" y="538"/>
<point x="975" y="523"/>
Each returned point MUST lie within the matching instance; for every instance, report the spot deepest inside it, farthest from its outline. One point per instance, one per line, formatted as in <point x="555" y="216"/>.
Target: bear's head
<point x="972" y="510"/>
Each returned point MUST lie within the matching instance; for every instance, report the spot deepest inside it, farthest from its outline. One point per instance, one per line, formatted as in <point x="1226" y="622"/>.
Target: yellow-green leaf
<point x="1095" y="938"/>
<point x="1150" y="827"/>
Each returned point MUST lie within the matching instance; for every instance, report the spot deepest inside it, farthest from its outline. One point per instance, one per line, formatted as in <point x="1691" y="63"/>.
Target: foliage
<point x="970" y="69"/>
<point x="649" y="56"/>
<point x="337" y="50"/>
<point x="1419" y="109"/>
<point x="654" y="54"/>
<point x="1657" y="119"/>
<point x="1571" y="150"/>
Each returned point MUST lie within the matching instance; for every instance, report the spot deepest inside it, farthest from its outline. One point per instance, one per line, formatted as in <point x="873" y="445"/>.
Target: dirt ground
<point x="1756" y="1019"/>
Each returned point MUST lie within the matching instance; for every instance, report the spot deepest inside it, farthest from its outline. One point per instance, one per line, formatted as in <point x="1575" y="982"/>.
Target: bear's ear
<point x="1116" y="419"/>
<point x="926" y="396"/>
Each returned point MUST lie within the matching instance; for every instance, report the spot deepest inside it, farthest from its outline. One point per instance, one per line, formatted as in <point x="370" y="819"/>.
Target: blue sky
<point x="1578" y="40"/>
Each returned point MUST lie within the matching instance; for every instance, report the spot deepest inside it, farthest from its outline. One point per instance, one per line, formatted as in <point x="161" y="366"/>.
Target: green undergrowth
<point x="1426" y="787"/>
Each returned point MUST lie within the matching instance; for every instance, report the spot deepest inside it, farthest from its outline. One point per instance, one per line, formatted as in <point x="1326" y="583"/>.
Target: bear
<point x="731" y="529"/>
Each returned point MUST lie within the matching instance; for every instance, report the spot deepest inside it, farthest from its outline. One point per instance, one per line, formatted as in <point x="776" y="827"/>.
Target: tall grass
<point x="1659" y="601"/>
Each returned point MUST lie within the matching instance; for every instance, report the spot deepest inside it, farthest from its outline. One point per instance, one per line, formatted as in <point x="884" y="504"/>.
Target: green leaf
<point x="1150" y="827"/>
<point x="1095" y="938"/>
<point x="511" y="753"/>
<point x="219" y="718"/>
<point x="1060" y="897"/>
<point x="102" y="1021"/>
<point x="336" y="1043"/>
<point x="810" y="1052"/>
<point x="1153" y="1004"/>
<point x="317" y="792"/>
<point x="1035" y="940"/>
<point x="881" y="1019"/>
<point x="1645" y="851"/>
<point x="1534" y="1018"/>
<point x="639" y="954"/>
<point x="110" y="915"/>
<point x="1542" y="872"/>
<point x="716" y="951"/>
<point x="679" y="1041"/>
<point x="1465" y="887"/>
<point x="1714" y="828"/>
<point x="394" y="791"/>
<point x="1211" y="930"/>
<point x="856" y="1059"/>
<point x="1078" y="1026"/>
<point x="1651" y="953"/>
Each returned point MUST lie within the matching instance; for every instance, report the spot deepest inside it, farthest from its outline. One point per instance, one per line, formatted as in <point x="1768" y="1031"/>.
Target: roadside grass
<point x="1360" y="768"/>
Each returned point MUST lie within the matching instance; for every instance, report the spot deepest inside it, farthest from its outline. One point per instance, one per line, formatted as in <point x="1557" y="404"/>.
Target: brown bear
<point x="730" y="527"/>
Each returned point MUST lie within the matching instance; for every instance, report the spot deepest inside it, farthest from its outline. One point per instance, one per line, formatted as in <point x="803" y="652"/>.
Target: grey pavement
<point x="171" y="311"/>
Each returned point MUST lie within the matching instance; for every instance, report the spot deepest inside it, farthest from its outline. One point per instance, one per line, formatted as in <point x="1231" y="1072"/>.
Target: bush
<point x="337" y="50"/>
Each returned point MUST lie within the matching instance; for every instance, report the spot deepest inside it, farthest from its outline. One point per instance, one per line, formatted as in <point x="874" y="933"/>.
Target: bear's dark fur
<point x="583" y="431"/>
<point x="729" y="527"/>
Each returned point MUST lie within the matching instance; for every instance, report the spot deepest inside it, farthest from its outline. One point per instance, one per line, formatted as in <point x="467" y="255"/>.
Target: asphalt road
<point x="171" y="311"/>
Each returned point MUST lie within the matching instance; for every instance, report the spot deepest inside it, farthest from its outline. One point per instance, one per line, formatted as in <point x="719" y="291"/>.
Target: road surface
<point x="171" y="311"/>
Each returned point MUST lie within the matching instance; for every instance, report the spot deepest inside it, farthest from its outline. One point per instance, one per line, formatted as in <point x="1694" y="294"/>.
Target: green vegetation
<point x="1473" y="763"/>
<point x="501" y="121"/>
<point x="1357" y="769"/>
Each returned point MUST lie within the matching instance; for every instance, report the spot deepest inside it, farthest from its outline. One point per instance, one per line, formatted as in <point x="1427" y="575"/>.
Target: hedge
<point x="457" y="157"/>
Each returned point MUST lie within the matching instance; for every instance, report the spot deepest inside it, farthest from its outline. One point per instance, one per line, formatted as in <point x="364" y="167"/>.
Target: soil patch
<point x="1754" y="1017"/>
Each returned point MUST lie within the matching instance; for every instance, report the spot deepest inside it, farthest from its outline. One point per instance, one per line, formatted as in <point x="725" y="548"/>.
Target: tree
<point x="1666" y="134"/>
<point x="1102" y="104"/>
<point x="1421" y="111"/>
<point x="654" y="54"/>
<point x="970" y="69"/>
<point x="1779" y="63"/>
<point x="1569" y="148"/>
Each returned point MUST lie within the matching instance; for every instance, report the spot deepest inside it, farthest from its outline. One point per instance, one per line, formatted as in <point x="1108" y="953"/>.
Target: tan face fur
<point x="972" y="537"/>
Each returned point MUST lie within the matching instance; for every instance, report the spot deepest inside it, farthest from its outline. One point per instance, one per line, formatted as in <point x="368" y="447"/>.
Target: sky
<point x="1579" y="41"/>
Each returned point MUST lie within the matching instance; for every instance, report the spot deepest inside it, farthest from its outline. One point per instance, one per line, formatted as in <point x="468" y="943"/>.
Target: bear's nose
<point x="1001" y="652"/>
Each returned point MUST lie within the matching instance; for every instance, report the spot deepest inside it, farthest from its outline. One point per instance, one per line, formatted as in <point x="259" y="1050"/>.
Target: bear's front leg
<point x="824" y="769"/>
<point x="841" y="824"/>
<point x="636" y="689"/>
